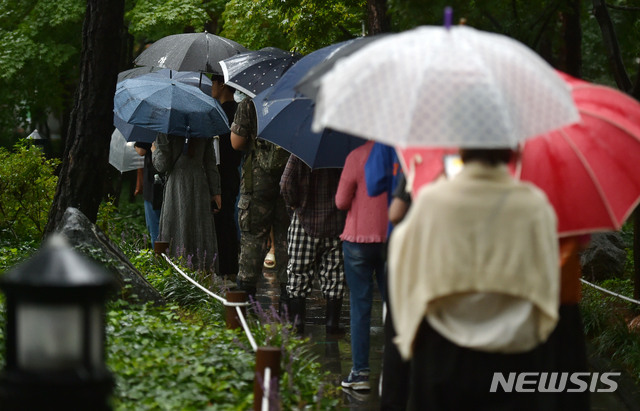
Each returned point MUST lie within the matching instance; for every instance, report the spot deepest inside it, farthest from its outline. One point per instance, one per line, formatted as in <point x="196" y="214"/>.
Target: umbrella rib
<point x="596" y="183"/>
<point x="608" y="121"/>
<point x="630" y="134"/>
<point x="206" y="38"/>
<point x="244" y="90"/>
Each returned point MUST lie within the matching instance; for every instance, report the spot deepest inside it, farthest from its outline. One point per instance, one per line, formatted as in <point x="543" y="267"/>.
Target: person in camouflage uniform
<point x="260" y="205"/>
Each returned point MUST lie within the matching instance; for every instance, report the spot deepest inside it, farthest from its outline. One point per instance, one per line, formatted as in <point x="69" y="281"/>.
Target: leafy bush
<point x="27" y="186"/>
<point x="164" y="363"/>
<point x="13" y="252"/>
<point x="605" y="320"/>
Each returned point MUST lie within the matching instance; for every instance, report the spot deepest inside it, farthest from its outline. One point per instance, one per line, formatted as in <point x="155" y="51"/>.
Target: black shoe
<point x="298" y="313"/>
<point x="334" y="307"/>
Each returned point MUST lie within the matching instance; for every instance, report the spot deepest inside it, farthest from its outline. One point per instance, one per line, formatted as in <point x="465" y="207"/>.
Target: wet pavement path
<point x="335" y="353"/>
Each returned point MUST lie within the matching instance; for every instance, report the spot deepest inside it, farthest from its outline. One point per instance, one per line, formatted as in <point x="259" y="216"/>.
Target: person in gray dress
<point x="193" y="185"/>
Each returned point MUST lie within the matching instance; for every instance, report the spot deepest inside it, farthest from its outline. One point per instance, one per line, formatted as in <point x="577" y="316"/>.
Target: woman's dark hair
<point x="491" y="156"/>
<point x="218" y="78"/>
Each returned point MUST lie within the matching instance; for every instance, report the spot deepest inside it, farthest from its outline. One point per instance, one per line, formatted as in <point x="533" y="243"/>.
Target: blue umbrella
<point x="168" y="106"/>
<point x="192" y="78"/>
<point x="284" y="118"/>
<point x="133" y="133"/>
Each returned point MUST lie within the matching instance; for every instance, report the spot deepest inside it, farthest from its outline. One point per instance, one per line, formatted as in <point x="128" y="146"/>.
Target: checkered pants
<point x="308" y="256"/>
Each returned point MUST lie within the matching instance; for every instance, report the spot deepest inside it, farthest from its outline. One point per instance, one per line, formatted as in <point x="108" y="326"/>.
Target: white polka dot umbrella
<point x="433" y="86"/>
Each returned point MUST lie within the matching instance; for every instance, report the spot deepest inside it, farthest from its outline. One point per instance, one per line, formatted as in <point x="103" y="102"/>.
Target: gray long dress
<point x="186" y="220"/>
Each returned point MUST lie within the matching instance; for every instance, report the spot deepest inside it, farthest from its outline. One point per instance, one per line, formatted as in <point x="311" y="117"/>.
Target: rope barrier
<point x="194" y="282"/>
<point x="246" y="329"/>
<point x="237" y="306"/>
<point x="610" y="292"/>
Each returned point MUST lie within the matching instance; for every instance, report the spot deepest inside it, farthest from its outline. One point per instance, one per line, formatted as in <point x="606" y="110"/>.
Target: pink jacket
<point x="367" y="217"/>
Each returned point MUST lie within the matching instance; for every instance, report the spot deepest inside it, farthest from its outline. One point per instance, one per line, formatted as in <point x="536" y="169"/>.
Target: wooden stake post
<point x="266" y="357"/>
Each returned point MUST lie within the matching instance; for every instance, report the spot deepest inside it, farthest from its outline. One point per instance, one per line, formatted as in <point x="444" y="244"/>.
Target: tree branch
<point x="625" y="8"/>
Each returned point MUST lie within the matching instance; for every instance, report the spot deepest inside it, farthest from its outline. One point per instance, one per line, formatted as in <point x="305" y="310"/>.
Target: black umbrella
<point x="308" y="85"/>
<point x="255" y="71"/>
<point x="189" y="52"/>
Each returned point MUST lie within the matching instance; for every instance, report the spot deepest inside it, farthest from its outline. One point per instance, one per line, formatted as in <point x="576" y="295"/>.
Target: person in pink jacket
<point x="363" y="243"/>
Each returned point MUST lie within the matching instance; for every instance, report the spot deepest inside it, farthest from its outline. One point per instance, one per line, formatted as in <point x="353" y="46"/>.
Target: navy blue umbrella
<point x="308" y="84"/>
<point x="285" y="116"/>
<point x="256" y="71"/>
<point x="169" y="106"/>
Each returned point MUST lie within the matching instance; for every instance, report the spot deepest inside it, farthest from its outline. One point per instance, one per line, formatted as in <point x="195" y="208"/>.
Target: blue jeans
<point x="361" y="261"/>
<point x="152" y="217"/>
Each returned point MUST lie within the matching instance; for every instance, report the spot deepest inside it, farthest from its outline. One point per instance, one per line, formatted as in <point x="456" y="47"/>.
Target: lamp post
<point x="55" y="332"/>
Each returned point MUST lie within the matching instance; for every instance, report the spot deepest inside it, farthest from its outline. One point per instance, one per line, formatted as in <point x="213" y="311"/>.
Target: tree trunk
<point x="611" y="44"/>
<point x="85" y="159"/>
<point x="377" y="17"/>
<point x="572" y="59"/>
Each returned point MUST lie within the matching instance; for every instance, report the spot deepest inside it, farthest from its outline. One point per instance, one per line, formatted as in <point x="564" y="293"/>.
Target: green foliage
<point x="605" y="319"/>
<point x="299" y="25"/>
<point x="14" y="251"/>
<point x="537" y="24"/>
<point x="27" y="186"/>
<point x="298" y="359"/>
<point x="40" y="43"/>
<point x="181" y="356"/>
<point x="3" y="344"/>
<point x="154" y="19"/>
<point x="164" y="363"/>
<point x="627" y="237"/>
<point x="253" y="24"/>
<point x="106" y="212"/>
<point x="530" y="22"/>
<point x="193" y="334"/>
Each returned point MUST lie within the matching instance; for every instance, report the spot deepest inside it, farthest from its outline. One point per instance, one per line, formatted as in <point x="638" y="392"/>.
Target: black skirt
<point x="445" y="376"/>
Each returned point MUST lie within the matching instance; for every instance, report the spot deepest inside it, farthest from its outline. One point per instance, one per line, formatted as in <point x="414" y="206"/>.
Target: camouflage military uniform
<point x="261" y="205"/>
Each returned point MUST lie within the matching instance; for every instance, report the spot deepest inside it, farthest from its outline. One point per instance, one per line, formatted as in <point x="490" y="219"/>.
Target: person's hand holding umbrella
<point x="216" y="203"/>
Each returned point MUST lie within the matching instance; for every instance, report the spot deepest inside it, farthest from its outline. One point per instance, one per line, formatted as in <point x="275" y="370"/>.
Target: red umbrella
<point x="588" y="170"/>
<point x="422" y="165"/>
